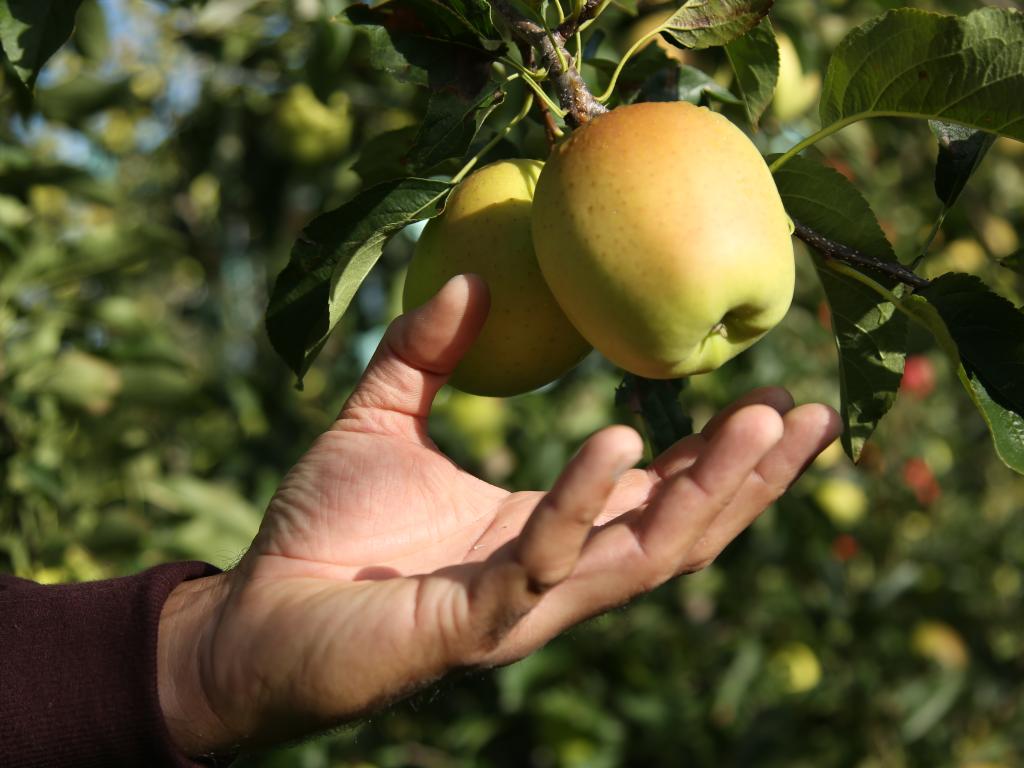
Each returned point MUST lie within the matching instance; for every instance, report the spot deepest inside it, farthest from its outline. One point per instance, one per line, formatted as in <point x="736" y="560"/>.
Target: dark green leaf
<point x="967" y="70"/>
<point x="593" y="43"/>
<point x="91" y="37"/>
<point x="455" y="112"/>
<point x="31" y="31"/>
<point x="82" y="96"/>
<point x="472" y="15"/>
<point x="870" y="334"/>
<point x="652" y="75"/>
<point x="1014" y="261"/>
<point x="657" y="402"/>
<point x="330" y="259"/>
<point x="988" y="331"/>
<point x="755" y="60"/>
<point x="871" y="339"/>
<point x="824" y="200"/>
<point x="961" y="151"/>
<point x="1005" y="425"/>
<point x="409" y="39"/>
<point x="707" y="23"/>
<point x="385" y="156"/>
<point x="416" y="41"/>
<point x="648" y="76"/>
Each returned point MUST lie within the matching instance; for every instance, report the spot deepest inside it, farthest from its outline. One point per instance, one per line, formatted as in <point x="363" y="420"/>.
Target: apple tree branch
<point x="573" y="93"/>
<point x="832" y="249"/>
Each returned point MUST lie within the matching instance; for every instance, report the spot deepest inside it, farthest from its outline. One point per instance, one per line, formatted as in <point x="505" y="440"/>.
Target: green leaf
<point x="409" y="38"/>
<point x="870" y="334"/>
<point x="707" y="23"/>
<point x="826" y="201"/>
<point x="454" y="115"/>
<point x="961" y="151"/>
<point x="91" y="36"/>
<point x="385" y="156"/>
<point x="417" y="41"/>
<point x="657" y="402"/>
<point x="82" y="96"/>
<point x="988" y="331"/>
<point x="652" y="75"/>
<point x="648" y="76"/>
<point x="31" y="31"/>
<point x="698" y="87"/>
<point x="330" y="259"/>
<point x="967" y="70"/>
<point x="871" y="340"/>
<point x="1005" y="425"/>
<point x="755" y="60"/>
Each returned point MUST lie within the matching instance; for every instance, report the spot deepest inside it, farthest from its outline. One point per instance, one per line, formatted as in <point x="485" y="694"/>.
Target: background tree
<point x="155" y="175"/>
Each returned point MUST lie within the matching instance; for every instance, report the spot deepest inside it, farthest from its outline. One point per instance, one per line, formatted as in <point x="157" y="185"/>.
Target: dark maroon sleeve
<point x="78" y="671"/>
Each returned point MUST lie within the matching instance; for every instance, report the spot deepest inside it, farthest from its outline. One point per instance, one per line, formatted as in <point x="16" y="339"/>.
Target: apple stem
<point x="573" y="93"/>
<point x="832" y="249"/>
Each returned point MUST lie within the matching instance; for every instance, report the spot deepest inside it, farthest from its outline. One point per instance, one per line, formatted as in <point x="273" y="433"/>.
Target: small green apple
<point x="843" y="500"/>
<point x="526" y="341"/>
<point x="660" y="231"/>
<point x="310" y="131"/>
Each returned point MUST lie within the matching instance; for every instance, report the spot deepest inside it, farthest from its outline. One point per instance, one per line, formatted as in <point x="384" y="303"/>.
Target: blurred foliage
<point x="871" y="618"/>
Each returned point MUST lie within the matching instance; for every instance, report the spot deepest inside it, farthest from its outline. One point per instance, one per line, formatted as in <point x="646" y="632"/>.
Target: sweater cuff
<point x="78" y="665"/>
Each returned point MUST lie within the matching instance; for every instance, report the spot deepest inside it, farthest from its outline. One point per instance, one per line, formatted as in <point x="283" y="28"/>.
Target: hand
<point x="381" y="565"/>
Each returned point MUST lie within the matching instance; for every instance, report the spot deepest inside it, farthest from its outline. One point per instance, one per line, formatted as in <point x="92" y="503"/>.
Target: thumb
<point x="420" y="350"/>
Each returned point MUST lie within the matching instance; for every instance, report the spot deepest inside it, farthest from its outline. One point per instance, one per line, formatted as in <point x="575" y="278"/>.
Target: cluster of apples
<point x="654" y="234"/>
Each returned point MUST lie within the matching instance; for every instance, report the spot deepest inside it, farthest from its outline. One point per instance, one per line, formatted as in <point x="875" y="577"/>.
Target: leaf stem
<point x="591" y="10"/>
<point x="931" y="238"/>
<point x="528" y="78"/>
<point x="523" y="112"/>
<point x="603" y="98"/>
<point x="561" y="12"/>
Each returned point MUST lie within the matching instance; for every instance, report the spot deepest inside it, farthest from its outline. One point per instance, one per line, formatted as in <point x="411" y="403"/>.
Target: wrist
<point x="187" y="624"/>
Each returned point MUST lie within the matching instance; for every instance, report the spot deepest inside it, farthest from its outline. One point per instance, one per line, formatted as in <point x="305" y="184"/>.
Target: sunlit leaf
<point x="967" y="70"/>
<point x="31" y="31"/>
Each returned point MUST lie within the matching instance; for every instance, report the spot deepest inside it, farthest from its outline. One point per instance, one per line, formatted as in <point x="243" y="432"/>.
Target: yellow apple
<point x="795" y="92"/>
<point x="661" y="233"/>
<point x="485" y="229"/>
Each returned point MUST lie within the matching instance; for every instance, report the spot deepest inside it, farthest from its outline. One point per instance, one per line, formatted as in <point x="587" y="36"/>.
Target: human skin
<point x="380" y="565"/>
<point x="527" y="341"/>
<point x="661" y="233"/>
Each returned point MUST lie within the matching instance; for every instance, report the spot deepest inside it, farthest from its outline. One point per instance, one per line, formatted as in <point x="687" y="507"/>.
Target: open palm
<point x="381" y="565"/>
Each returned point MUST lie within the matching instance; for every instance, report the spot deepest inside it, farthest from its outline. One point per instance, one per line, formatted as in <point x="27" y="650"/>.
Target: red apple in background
<point x="844" y="547"/>
<point x="918" y="477"/>
<point x="918" y="376"/>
